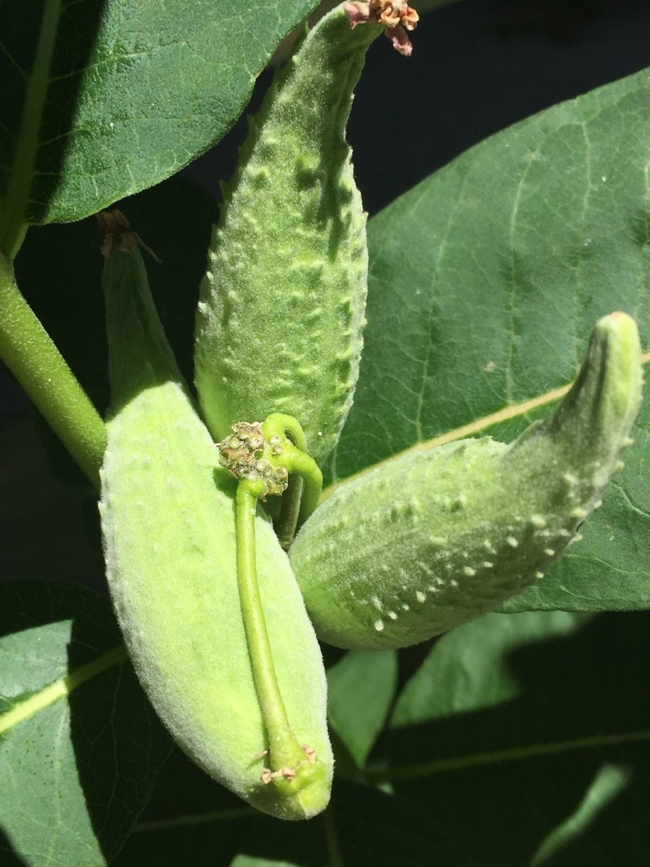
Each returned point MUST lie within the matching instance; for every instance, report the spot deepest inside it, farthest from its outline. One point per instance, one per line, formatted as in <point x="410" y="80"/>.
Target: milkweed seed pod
<point x="435" y="538"/>
<point x="168" y="521"/>
<point x="281" y="311"/>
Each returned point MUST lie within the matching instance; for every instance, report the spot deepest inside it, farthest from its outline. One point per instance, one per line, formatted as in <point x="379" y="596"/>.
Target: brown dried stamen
<point x="395" y="15"/>
<point x="243" y="454"/>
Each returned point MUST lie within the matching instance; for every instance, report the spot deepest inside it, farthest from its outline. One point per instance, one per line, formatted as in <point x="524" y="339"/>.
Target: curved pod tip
<point x="621" y="334"/>
<point x="435" y="538"/>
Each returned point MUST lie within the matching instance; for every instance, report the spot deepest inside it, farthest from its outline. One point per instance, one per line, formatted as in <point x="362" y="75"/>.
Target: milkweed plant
<point x="374" y="517"/>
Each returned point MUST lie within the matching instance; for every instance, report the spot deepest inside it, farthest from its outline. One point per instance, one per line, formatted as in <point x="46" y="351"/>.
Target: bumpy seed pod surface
<point x="435" y="538"/>
<point x="168" y="519"/>
<point x="281" y="311"/>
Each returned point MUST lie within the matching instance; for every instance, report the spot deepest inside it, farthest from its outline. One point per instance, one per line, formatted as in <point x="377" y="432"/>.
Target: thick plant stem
<point x="30" y="354"/>
<point x="283" y="747"/>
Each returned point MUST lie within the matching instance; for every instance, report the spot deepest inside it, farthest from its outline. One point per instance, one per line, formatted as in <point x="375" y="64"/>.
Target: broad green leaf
<point x="526" y="739"/>
<point x="485" y="282"/>
<point x="80" y="747"/>
<point x="360" y="689"/>
<point x="104" y="99"/>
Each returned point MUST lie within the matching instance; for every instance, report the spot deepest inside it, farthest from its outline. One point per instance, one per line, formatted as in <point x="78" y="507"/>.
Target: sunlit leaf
<point x="107" y="98"/>
<point x="80" y="747"/>
<point x="485" y="283"/>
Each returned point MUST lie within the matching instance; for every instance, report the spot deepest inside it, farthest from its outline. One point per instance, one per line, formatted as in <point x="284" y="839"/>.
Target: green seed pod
<point x="168" y="520"/>
<point x="435" y="538"/>
<point x="281" y="310"/>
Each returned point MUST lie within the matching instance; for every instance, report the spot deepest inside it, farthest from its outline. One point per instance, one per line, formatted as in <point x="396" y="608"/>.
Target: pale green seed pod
<point x="168" y="520"/>
<point x="435" y="538"/>
<point x="281" y="310"/>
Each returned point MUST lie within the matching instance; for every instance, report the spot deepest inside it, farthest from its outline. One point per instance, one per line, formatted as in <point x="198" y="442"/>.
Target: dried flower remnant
<point x="243" y="454"/>
<point x="395" y="15"/>
<point x="116" y="230"/>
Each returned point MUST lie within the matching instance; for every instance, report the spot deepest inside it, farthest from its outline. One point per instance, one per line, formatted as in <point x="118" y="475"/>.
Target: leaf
<point x="485" y="282"/>
<point x="522" y="737"/>
<point x="360" y="691"/>
<point x="536" y="723"/>
<point x="80" y="747"/>
<point x="105" y="99"/>
<point x="610" y="781"/>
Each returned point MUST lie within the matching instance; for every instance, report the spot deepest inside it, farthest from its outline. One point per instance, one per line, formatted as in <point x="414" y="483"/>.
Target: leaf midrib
<point x="60" y="688"/>
<point x="474" y="427"/>
<point x="438" y="766"/>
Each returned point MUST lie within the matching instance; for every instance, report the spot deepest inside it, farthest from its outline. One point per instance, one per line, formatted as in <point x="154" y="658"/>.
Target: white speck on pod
<point x="379" y="625"/>
<point x="420" y="596"/>
<point x="467" y="570"/>
<point x="512" y="542"/>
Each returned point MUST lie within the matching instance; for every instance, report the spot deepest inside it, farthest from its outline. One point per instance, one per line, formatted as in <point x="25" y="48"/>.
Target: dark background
<point x="477" y="67"/>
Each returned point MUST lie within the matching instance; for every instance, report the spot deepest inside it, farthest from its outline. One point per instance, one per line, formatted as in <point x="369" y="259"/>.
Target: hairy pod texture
<point x="168" y="520"/>
<point x="281" y="310"/>
<point x="435" y="538"/>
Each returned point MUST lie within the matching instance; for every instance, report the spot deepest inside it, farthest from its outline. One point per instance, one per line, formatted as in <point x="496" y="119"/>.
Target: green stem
<point x="283" y="746"/>
<point x="300" y="500"/>
<point x="286" y="524"/>
<point x="307" y="468"/>
<point x="37" y="364"/>
<point x="332" y="838"/>
<point x="288" y="425"/>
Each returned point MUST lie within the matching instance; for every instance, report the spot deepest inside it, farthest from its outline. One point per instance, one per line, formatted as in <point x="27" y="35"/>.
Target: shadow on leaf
<point x="507" y="734"/>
